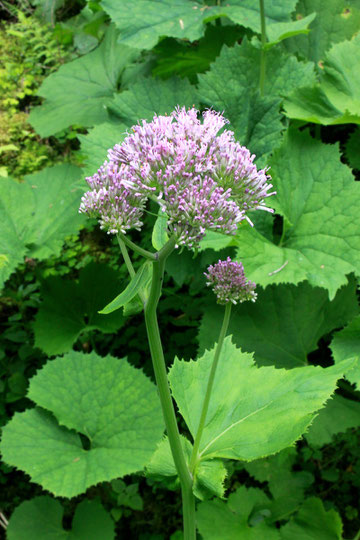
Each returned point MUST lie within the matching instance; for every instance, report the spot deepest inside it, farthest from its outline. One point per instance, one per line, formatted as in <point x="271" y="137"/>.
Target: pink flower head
<point x="229" y="283"/>
<point x="201" y="179"/>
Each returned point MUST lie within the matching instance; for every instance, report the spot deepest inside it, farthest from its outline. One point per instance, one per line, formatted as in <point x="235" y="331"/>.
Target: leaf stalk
<point x="195" y="453"/>
<point x="263" y="51"/>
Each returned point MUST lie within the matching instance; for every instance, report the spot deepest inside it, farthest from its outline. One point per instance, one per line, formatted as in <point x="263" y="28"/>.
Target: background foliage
<point x="74" y="76"/>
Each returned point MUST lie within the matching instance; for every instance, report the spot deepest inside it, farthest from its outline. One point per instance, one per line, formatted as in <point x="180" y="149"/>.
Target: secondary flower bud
<point x="229" y="283"/>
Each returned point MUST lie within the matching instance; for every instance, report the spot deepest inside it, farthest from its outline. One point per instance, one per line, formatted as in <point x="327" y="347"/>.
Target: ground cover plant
<point x="180" y="358"/>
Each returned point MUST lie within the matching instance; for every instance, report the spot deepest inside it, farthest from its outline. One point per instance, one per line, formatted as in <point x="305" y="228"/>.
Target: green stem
<point x="263" y="52"/>
<point x="357" y="536"/>
<point x="129" y="266"/>
<point x="138" y="249"/>
<point x="159" y="366"/>
<point x="205" y="407"/>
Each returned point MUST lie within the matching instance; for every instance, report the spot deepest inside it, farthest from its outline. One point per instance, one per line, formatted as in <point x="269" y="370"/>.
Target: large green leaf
<point x="80" y="91"/>
<point x="337" y="99"/>
<point x="71" y="308"/>
<point x="42" y="518"/>
<point x="313" y="522"/>
<point x="266" y="410"/>
<point x="339" y="415"/>
<point x="232" y="84"/>
<point x="97" y="142"/>
<point x="37" y="215"/>
<point x="319" y="200"/>
<point x="105" y="400"/>
<point x="241" y="517"/>
<point x="284" y="324"/>
<point x="143" y="22"/>
<point x="346" y="344"/>
<point x="237" y="68"/>
<point x="149" y="96"/>
<point x="336" y="21"/>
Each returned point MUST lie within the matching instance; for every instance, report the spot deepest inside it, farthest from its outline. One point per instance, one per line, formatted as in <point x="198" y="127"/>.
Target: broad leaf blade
<point x="313" y="521"/>
<point x="285" y="323"/>
<point x="317" y="194"/>
<point x="93" y="78"/>
<point x="47" y="214"/>
<point x="267" y="410"/>
<point x="136" y="284"/>
<point x="41" y="517"/>
<point x="345" y="345"/>
<point x="111" y="403"/>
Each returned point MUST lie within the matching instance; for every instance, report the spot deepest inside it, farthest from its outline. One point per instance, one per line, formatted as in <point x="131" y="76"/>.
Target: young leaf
<point x="318" y="199"/>
<point x="110" y="403"/>
<point x="284" y="324"/>
<point x="313" y="521"/>
<point x="159" y="235"/>
<point x="217" y="519"/>
<point x="209" y="475"/>
<point x="97" y="142"/>
<point x="266" y="410"/>
<point x="279" y="31"/>
<point x="80" y="91"/>
<point x="70" y="308"/>
<point x="338" y="415"/>
<point x="345" y="345"/>
<point x="47" y="214"/>
<point x="148" y="96"/>
<point x="41" y="517"/>
<point x="136" y="284"/>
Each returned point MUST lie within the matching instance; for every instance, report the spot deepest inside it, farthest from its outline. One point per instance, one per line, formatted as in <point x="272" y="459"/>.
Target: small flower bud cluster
<point x="201" y="179"/>
<point x="229" y="283"/>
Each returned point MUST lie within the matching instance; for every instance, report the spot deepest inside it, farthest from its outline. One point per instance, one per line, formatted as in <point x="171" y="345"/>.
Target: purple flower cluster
<point x="201" y="179"/>
<point x="229" y="283"/>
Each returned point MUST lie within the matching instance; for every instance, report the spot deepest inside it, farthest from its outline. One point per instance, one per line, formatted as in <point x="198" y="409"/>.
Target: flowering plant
<point x="202" y="180"/>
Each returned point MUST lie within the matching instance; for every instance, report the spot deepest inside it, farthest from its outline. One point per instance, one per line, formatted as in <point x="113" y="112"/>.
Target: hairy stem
<point x="205" y="407"/>
<point x="159" y="366"/>
<point x="263" y="52"/>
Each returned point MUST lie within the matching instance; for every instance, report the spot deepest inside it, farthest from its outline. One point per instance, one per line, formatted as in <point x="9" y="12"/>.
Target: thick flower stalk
<point x="227" y="280"/>
<point x="199" y="175"/>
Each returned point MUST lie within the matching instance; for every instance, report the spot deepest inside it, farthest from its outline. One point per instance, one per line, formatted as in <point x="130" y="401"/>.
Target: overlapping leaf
<point x="346" y="344"/>
<point x="336" y="100"/>
<point x="37" y="215"/>
<point x="336" y="21"/>
<point x="313" y="521"/>
<point x="266" y="410"/>
<point x="149" y="96"/>
<point x="80" y="91"/>
<point x="71" y="308"/>
<point x="319" y="200"/>
<point x="339" y="415"/>
<point x="231" y="86"/>
<point x="97" y="142"/>
<point x="105" y="400"/>
<point x="241" y="517"/>
<point x="42" y="518"/>
<point x="284" y="324"/>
